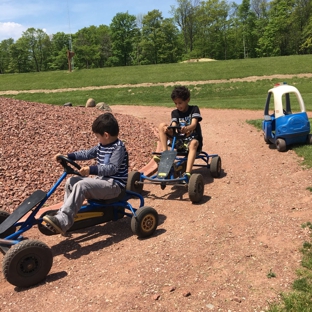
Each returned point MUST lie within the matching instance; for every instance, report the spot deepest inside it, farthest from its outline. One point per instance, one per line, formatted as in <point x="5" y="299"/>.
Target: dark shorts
<point x="181" y="145"/>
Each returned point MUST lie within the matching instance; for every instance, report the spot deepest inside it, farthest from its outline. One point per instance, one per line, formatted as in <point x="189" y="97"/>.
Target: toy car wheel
<point x="3" y="215"/>
<point x="132" y="185"/>
<point x="280" y="145"/>
<point x="27" y="263"/>
<point x="196" y="187"/>
<point x="145" y="222"/>
<point x="215" y="167"/>
<point x="43" y="229"/>
<point x="309" y="139"/>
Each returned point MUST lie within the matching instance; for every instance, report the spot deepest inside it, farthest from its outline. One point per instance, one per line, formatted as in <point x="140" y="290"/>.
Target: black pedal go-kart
<point x="172" y="167"/>
<point x="28" y="261"/>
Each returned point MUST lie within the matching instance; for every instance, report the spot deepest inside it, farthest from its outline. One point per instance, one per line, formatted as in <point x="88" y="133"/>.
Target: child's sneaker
<point x="187" y="175"/>
<point x="53" y="224"/>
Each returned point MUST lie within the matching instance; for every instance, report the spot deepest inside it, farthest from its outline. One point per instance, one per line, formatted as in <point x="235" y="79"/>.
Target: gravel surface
<point x="32" y="133"/>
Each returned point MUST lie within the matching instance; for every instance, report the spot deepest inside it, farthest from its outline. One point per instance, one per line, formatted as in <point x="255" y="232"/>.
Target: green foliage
<point x="211" y="29"/>
<point x="123" y="33"/>
<point x="271" y="274"/>
<point x="307" y="256"/>
<point x="300" y="298"/>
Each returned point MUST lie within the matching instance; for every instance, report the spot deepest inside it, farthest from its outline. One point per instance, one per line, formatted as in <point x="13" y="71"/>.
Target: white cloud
<point x="11" y="30"/>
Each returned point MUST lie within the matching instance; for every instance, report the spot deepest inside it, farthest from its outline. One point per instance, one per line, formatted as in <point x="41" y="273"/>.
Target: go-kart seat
<point x="121" y="196"/>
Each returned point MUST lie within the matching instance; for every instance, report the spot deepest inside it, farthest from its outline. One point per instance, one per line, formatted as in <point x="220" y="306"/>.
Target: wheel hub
<point x="28" y="265"/>
<point x="147" y="223"/>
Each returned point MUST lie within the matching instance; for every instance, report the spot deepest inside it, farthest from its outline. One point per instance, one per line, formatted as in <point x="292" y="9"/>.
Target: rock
<point x="103" y="106"/>
<point x="90" y="103"/>
<point x="186" y="293"/>
<point x="68" y="104"/>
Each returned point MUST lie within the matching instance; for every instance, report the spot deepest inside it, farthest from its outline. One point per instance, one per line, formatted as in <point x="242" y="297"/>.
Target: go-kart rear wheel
<point x="145" y="222"/>
<point x="43" y="229"/>
<point x="280" y="145"/>
<point x="3" y="215"/>
<point x="132" y="185"/>
<point x="27" y="263"/>
<point x="196" y="188"/>
<point x="215" y="167"/>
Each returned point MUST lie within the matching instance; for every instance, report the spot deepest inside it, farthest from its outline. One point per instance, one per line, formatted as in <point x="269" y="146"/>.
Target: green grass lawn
<point x="224" y="94"/>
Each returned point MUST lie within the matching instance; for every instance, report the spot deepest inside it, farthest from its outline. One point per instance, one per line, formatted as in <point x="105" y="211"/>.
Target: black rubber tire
<point x="196" y="188"/>
<point x="280" y="145"/>
<point x="215" y="167"/>
<point x="42" y="228"/>
<point x="133" y="177"/>
<point x="145" y="223"/>
<point x="309" y="139"/>
<point x="27" y="263"/>
<point x="3" y="215"/>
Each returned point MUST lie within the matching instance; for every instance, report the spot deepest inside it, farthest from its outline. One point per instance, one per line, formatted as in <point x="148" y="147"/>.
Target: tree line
<point x="213" y="29"/>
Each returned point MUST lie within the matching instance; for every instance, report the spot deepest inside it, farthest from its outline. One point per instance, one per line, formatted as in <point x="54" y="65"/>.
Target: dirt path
<point x="214" y="256"/>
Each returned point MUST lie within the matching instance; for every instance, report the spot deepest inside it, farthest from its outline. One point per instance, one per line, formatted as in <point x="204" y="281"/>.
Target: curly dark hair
<point x="180" y="92"/>
<point x="106" y="123"/>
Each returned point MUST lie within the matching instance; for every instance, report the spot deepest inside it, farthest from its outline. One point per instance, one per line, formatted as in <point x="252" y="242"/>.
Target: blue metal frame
<point x="179" y="160"/>
<point x="31" y="220"/>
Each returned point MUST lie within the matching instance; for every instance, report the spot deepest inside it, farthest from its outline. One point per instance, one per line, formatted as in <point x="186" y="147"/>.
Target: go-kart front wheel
<point x="132" y="182"/>
<point x="215" y="167"/>
<point x="145" y="222"/>
<point x="27" y="263"/>
<point x="196" y="188"/>
<point x="3" y="215"/>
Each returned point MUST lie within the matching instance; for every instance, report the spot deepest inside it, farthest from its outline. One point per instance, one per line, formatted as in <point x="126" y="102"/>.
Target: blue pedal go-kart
<point x="27" y="262"/>
<point x="172" y="167"/>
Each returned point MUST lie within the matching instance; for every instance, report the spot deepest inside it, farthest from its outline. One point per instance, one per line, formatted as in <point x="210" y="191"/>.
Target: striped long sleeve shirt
<point x="112" y="161"/>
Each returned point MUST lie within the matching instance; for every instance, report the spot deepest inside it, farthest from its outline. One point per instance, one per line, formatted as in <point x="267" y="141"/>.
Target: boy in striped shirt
<point x="111" y="173"/>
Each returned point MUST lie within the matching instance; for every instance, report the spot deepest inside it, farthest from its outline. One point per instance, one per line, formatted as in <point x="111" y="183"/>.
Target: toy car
<point x="283" y="126"/>
<point x="171" y="168"/>
<point x="28" y="261"/>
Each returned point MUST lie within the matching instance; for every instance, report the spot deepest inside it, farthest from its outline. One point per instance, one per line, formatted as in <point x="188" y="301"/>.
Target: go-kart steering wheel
<point x="65" y="161"/>
<point x="174" y="127"/>
<point x="176" y="131"/>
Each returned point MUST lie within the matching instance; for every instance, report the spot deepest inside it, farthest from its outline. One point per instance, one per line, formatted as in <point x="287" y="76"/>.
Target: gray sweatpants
<point x="77" y="189"/>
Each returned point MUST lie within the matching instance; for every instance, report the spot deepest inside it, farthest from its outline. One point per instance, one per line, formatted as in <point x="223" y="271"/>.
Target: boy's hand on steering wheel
<point x="56" y="157"/>
<point x="84" y="171"/>
<point x="186" y="130"/>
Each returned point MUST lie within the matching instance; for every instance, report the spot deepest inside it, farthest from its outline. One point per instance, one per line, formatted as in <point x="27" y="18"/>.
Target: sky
<point x="69" y="16"/>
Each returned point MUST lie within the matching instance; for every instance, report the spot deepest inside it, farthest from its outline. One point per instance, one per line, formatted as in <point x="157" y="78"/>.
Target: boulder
<point x="103" y="106"/>
<point x="90" y="103"/>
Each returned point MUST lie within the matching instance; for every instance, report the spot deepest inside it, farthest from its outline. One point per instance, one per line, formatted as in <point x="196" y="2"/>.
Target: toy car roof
<point x="278" y="91"/>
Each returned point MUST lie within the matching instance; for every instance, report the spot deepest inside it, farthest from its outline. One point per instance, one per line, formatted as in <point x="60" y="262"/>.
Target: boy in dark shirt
<point x="187" y="117"/>
<point x="111" y="173"/>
